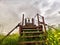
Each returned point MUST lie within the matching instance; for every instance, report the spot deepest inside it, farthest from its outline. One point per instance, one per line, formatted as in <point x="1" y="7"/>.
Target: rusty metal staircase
<point x="31" y="34"/>
<point x="32" y="37"/>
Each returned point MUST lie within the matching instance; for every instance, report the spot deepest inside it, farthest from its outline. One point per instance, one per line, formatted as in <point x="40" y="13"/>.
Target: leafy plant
<point x="53" y="38"/>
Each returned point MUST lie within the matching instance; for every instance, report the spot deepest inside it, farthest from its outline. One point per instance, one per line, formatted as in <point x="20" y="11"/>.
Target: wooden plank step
<point x="33" y="41"/>
<point x="31" y="32"/>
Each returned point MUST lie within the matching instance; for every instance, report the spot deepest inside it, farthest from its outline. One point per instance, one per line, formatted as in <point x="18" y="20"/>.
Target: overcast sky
<point x="11" y="11"/>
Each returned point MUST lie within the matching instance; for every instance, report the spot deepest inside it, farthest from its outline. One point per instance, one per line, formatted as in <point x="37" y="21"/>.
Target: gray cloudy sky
<point x="11" y="11"/>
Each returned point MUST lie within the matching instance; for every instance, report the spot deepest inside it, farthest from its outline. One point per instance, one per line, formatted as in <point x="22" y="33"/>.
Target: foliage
<point x="10" y="40"/>
<point x="53" y="38"/>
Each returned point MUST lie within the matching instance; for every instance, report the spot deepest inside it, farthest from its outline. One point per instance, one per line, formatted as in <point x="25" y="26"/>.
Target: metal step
<point x="30" y="29"/>
<point x="26" y="42"/>
<point x="30" y="36"/>
<point x="33" y="36"/>
<point x="31" y="32"/>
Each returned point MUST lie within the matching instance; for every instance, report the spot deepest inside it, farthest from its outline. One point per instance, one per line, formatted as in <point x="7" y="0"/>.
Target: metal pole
<point x="23" y="20"/>
<point x="33" y="21"/>
<point x="44" y="23"/>
<point x="38" y="18"/>
<point x="20" y="29"/>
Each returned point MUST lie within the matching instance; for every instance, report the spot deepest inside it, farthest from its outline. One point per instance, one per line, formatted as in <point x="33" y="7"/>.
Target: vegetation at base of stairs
<point x="53" y="38"/>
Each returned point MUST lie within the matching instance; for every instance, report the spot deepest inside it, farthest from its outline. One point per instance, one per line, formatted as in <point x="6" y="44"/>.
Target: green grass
<point x="53" y="38"/>
<point x="10" y="40"/>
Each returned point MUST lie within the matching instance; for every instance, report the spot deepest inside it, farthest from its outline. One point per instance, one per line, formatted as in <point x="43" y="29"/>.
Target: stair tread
<point x="31" y="29"/>
<point x="32" y="32"/>
<point x="30" y="36"/>
<point x="33" y="41"/>
<point x="34" y="36"/>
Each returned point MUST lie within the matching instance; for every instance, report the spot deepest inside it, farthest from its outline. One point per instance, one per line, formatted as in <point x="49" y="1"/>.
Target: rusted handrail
<point x="10" y="32"/>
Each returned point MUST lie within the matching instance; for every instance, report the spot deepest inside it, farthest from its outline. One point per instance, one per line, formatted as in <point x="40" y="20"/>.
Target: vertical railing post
<point x="44" y="23"/>
<point x="38" y="19"/>
<point x="23" y="20"/>
<point x="33" y="21"/>
<point x="20" y="29"/>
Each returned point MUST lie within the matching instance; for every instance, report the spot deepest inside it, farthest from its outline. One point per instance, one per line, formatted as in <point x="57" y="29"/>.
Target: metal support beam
<point x="33" y="21"/>
<point x="44" y="23"/>
<point x="38" y="18"/>
<point x="20" y="29"/>
<point x="23" y="20"/>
